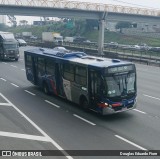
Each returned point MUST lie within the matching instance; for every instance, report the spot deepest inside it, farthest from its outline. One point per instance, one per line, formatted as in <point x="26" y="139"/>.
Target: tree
<point x="91" y="23"/>
<point x="79" y="27"/>
<point x="121" y="25"/>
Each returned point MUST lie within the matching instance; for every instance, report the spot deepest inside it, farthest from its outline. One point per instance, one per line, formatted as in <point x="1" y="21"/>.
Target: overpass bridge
<point x="87" y="10"/>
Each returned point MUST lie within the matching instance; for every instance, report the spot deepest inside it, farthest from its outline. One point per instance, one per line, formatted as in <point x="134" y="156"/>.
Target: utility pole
<point x="102" y="22"/>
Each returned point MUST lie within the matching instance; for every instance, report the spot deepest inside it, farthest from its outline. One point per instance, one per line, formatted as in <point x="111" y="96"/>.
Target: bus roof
<point x="78" y="57"/>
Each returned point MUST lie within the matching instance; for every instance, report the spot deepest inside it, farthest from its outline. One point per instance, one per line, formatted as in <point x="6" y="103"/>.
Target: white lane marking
<point x="24" y="136"/>
<point x="22" y="69"/>
<point x="151" y="97"/>
<point x="57" y="106"/>
<point x="14" y="66"/>
<point x="38" y="128"/>
<point x="5" y="104"/>
<point x="29" y="92"/>
<point x="84" y="119"/>
<point x="14" y="85"/>
<point x="139" y="111"/>
<point x="3" y="79"/>
<point x="4" y="62"/>
<point x="140" y="147"/>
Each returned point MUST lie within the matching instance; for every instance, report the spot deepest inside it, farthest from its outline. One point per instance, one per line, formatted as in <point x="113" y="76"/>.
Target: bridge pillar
<point x="101" y="35"/>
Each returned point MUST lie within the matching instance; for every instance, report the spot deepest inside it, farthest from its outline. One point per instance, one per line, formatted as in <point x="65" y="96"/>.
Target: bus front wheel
<point x="84" y="103"/>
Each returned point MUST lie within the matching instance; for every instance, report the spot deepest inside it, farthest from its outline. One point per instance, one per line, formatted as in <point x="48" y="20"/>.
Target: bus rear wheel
<point x="46" y="89"/>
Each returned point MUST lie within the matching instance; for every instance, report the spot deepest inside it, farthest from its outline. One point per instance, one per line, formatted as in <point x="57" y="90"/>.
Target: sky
<point x="150" y="4"/>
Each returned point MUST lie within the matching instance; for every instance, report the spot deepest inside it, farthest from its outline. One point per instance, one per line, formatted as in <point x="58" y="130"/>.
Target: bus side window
<point x="28" y="61"/>
<point x="81" y="75"/>
<point x="41" y="67"/>
<point x="50" y="68"/>
<point x="1" y="48"/>
<point x="29" y="68"/>
<point x="68" y="71"/>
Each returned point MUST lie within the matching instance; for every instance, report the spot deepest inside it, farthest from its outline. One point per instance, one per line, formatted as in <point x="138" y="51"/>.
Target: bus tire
<point x="45" y="88"/>
<point x="84" y="103"/>
<point x="16" y="59"/>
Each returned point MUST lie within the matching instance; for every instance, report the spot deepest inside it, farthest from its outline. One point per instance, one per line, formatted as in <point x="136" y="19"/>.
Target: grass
<point x="123" y="39"/>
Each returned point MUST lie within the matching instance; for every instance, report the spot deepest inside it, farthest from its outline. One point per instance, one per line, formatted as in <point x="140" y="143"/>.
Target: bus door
<point x="95" y="87"/>
<point x="34" y="67"/>
<point x="1" y="51"/>
<point x="40" y="70"/>
<point x="59" y="82"/>
<point x="30" y="65"/>
<point x="38" y="64"/>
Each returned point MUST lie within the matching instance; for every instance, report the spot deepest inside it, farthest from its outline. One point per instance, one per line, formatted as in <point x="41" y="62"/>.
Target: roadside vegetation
<point x="124" y="39"/>
<point x="85" y="28"/>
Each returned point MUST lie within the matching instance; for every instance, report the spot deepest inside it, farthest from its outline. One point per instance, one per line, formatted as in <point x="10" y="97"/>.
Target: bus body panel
<point x="77" y="92"/>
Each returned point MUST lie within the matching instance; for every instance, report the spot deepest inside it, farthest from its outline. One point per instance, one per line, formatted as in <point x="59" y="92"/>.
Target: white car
<point x="33" y="37"/>
<point x="61" y="49"/>
<point x="21" y="42"/>
<point x="136" y="47"/>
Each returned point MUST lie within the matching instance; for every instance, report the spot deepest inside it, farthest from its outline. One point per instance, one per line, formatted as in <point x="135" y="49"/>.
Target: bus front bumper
<point x="110" y="110"/>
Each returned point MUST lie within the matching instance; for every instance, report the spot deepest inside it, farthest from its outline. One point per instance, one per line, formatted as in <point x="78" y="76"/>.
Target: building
<point x="3" y="19"/>
<point x="111" y="26"/>
<point x="38" y="23"/>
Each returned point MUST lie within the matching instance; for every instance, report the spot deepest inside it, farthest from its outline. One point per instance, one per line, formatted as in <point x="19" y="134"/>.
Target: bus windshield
<point x="120" y="85"/>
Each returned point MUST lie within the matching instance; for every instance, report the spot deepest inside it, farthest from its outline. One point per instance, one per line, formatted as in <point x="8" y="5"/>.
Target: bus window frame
<point x="41" y="67"/>
<point x="28" y="63"/>
<point x="80" y="75"/>
<point x="64" y="72"/>
<point x="48" y="67"/>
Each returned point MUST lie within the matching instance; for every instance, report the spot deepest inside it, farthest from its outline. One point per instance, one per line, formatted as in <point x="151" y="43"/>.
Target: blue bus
<point x="103" y="85"/>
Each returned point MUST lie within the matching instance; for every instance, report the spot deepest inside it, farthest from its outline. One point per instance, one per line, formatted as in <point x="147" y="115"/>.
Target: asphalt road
<point x="31" y="120"/>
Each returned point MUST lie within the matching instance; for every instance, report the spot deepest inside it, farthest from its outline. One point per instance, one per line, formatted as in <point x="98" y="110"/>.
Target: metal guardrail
<point x="142" y="56"/>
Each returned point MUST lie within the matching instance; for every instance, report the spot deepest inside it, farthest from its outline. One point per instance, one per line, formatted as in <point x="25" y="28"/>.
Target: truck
<point x="68" y="39"/>
<point x="9" y="48"/>
<point x="52" y="37"/>
<point x="27" y="34"/>
<point x="79" y="39"/>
